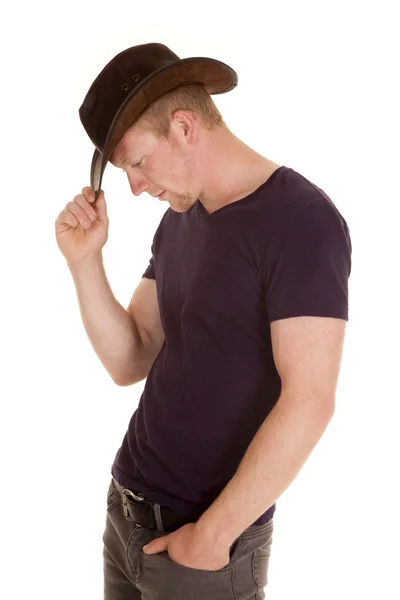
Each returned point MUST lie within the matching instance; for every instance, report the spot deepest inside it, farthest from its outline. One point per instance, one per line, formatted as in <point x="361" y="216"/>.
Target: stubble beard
<point x="183" y="203"/>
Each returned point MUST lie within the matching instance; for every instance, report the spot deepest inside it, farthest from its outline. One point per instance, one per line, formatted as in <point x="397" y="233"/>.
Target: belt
<point x="148" y="514"/>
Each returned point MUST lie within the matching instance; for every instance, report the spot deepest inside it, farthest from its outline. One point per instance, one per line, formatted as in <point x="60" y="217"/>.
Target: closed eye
<point x="138" y="164"/>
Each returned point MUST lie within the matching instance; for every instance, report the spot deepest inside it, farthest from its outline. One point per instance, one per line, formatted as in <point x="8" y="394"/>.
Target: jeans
<point x="130" y="574"/>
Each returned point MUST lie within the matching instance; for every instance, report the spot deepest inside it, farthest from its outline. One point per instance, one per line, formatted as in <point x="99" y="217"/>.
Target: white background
<point x="318" y="92"/>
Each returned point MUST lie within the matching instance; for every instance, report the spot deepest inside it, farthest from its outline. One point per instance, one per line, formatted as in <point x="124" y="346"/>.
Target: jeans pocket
<point x="260" y="564"/>
<point x="165" y="554"/>
<point x="164" y="578"/>
<point x="111" y="491"/>
<point x="232" y="554"/>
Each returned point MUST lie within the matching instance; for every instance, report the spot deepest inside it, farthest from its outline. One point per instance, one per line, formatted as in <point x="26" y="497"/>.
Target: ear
<point x="185" y="124"/>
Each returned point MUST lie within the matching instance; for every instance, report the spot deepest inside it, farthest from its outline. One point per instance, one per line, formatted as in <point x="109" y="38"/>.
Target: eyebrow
<point x="113" y="163"/>
<point x="127" y="160"/>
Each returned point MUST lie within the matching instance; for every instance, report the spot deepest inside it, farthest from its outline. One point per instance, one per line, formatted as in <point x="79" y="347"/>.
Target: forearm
<point x="111" y="330"/>
<point x="272" y="461"/>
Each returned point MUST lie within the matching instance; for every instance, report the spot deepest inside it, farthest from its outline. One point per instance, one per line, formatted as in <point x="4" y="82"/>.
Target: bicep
<point x="307" y="353"/>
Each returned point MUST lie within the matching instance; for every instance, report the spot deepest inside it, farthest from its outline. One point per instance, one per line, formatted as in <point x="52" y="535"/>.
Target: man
<point x="238" y="325"/>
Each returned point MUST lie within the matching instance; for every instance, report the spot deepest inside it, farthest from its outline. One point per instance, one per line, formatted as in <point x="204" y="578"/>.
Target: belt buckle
<point x="136" y="497"/>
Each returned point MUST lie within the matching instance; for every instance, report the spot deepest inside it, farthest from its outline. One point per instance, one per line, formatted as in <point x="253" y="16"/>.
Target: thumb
<point x="101" y="206"/>
<point x="157" y="545"/>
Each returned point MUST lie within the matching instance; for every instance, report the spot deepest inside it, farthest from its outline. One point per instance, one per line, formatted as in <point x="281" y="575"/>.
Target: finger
<point x="70" y="219"/>
<point x="66" y="218"/>
<point x="79" y="213"/>
<point x="101" y="207"/>
<point x="86" y="207"/>
<point x="100" y="195"/>
<point x="89" y="194"/>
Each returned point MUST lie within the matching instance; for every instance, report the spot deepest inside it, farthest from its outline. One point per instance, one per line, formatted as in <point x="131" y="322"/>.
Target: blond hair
<point x="193" y="97"/>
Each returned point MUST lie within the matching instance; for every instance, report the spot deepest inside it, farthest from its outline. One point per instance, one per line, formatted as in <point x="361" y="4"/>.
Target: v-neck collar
<point x="206" y="215"/>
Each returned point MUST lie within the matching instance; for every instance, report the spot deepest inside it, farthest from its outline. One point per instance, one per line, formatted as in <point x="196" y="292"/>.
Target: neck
<point x="233" y="170"/>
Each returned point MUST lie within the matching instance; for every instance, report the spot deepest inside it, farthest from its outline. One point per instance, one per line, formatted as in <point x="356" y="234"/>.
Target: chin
<point x="178" y="202"/>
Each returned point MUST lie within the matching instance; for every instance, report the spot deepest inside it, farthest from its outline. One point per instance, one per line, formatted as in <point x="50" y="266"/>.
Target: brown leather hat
<point x="129" y="83"/>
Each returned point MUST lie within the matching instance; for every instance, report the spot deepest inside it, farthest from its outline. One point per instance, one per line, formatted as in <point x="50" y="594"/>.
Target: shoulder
<point x="297" y="198"/>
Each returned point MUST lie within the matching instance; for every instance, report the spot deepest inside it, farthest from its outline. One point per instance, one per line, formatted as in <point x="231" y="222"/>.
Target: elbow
<point x="120" y="379"/>
<point x="122" y="382"/>
<point x="130" y="376"/>
<point x="125" y="381"/>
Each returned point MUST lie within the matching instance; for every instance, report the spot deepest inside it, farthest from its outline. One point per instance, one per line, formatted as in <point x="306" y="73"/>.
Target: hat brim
<point x="216" y="76"/>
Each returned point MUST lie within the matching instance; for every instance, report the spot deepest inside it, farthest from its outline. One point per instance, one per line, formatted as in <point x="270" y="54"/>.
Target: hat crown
<point x="115" y="82"/>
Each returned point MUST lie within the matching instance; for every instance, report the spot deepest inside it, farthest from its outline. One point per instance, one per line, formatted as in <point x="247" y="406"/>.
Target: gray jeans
<point x="130" y="574"/>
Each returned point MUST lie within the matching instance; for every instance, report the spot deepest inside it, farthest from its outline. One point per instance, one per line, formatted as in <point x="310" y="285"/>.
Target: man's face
<point x="158" y="166"/>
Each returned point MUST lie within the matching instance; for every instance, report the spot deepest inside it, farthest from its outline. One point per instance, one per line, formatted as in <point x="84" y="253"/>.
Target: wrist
<point x="86" y="263"/>
<point x="211" y="535"/>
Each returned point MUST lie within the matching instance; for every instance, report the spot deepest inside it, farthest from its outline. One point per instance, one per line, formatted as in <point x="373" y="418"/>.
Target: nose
<point x="138" y="185"/>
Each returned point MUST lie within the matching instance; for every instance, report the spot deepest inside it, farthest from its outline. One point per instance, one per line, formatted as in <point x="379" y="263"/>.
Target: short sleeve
<point x="308" y="265"/>
<point x="149" y="272"/>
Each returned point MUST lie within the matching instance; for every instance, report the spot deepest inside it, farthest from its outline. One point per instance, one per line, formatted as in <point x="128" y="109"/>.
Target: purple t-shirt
<point x="222" y="278"/>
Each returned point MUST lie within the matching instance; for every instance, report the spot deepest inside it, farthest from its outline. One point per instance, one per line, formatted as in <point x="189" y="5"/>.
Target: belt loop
<point x="137" y="497"/>
<point x="157" y="517"/>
